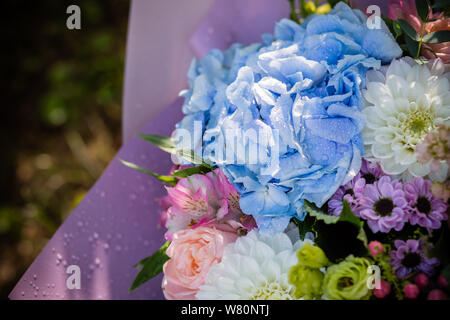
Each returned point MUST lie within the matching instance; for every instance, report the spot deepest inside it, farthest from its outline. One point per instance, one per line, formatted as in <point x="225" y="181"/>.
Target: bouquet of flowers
<point x="313" y="165"/>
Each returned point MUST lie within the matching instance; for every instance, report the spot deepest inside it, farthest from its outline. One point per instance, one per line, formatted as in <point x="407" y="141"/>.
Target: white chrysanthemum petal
<point x="390" y="167"/>
<point x="405" y="157"/>
<point x="399" y="67"/>
<point x="279" y="242"/>
<point x="413" y="101"/>
<point x="244" y="275"/>
<point x="396" y="85"/>
<point x="271" y="270"/>
<point x="415" y="91"/>
<point x="382" y="151"/>
<point x="419" y="169"/>
<point x="375" y="120"/>
<point x="376" y="91"/>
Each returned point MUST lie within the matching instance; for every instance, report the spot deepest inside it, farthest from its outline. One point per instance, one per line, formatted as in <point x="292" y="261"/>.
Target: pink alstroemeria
<point x="406" y="10"/>
<point x="203" y="200"/>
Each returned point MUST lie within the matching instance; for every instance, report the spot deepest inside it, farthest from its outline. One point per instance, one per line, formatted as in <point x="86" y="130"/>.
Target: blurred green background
<point x="60" y="117"/>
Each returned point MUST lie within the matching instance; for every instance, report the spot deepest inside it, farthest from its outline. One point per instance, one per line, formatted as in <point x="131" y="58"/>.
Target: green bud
<point x="308" y="282"/>
<point x="348" y="280"/>
<point x="311" y="256"/>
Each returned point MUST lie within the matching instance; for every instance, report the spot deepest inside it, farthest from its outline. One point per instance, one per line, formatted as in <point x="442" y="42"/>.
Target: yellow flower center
<point x="418" y="123"/>
<point x="272" y="291"/>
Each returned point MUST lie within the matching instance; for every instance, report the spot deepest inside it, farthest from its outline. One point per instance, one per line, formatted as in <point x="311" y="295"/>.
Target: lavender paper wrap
<point x="115" y="225"/>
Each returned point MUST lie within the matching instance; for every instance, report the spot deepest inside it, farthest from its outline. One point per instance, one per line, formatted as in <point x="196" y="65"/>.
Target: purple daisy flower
<point x="383" y="205"/>
<point x="354" y="189"/>
<point x="351" y="192"/>
<point x="410" y="257"/>
<point x="371" y="171"/>
<point x="424" y="210"/>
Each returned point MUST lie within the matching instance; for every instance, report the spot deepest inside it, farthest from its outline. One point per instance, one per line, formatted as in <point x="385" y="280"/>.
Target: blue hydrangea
<point x="300" y="90"/>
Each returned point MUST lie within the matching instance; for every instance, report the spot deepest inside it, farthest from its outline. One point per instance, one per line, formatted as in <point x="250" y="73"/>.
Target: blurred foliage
<point x="60" y="117"/>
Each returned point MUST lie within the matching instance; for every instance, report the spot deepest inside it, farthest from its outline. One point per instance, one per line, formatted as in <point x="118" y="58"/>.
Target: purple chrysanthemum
<point x="371" y="171"/>
<point x="354" y="189"/>
<point x="410" y="257"/>
<point x="424" y="210"/>
<point x="351" y="192"/>
<point x="383" y="205"/>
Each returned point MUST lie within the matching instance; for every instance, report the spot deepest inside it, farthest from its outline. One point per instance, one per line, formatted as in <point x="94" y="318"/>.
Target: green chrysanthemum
<point x="348" y="280"/>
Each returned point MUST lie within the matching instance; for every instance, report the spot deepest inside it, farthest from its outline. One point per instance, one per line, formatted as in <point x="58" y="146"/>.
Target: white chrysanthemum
<point x="255" y="267"/>
<point x="405" y="101"/>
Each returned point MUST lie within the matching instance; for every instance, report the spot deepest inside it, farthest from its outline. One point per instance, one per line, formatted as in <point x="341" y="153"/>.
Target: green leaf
<point x="441" y="4"/>
<point x="305" y="226"/>
<point x="190" y="156"/>
<point x="337" y="236"/>
<point x="346" y="215"/>
<point x="164" y="143"/>
<point x="409" y="31"/>
<point x="319" y="214"/>
<point x="151" y="266"/>
<point x="437" y="37"/>
<point x="423" y="9"/>
<point x="413" y="46"/>
<point x="397" y="28"/>
<point x="201" y="169"/>
<point x="167" y="179"/>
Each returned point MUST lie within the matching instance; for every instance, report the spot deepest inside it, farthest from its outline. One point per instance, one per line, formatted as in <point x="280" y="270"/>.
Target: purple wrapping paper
<point x="115" y="226"/>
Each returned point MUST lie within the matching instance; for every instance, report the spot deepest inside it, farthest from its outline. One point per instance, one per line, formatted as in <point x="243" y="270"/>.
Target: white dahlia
<point x="255" y="267"/>
<point x="405" y="101"/>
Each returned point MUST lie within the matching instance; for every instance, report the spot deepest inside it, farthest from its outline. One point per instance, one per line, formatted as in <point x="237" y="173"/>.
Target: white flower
<point x="255" y="267"/>
<point x="404" y="102"/>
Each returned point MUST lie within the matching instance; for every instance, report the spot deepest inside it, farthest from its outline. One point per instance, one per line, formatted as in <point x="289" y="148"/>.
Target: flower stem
<point x="421" y="36"/>
<point x="293" y="14"/>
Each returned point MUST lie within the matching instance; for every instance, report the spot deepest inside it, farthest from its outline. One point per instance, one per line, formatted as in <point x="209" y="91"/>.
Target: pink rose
<point x="192" y="253"/>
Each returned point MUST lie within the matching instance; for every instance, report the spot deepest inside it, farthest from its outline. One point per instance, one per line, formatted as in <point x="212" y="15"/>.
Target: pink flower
<point x="442" y="281"/>
<point x="411" y="291"/>
<point x="375" y="248"/>
<point x="422" y="280"/>
<point x="435" y="147"/>
<point x="406" y="10"/>
<point x="437" y="294"/>
<point x="203" y="200"/>
<point x="437" y="50"/>
<point x="383" y="291"/>
<point x="192" y="253"/>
